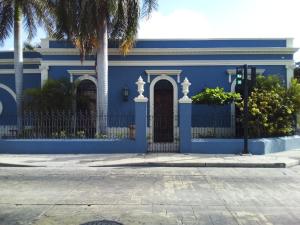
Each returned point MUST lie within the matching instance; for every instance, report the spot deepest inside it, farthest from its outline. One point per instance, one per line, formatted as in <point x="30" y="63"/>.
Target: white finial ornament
<point x="140" y="84"/>
<point x="185" y="90"/>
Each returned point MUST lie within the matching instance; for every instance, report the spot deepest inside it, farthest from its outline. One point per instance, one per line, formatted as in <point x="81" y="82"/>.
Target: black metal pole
<point x="246" y="93"/>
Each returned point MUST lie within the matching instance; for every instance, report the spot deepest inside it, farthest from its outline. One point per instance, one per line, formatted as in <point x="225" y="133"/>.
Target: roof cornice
<point x="179" y="51"/>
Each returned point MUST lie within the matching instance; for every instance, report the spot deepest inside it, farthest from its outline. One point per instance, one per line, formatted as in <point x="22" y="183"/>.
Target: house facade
<point x="163" y="65"/>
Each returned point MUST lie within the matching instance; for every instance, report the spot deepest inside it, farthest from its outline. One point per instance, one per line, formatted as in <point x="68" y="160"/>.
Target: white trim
<point x="186" y="100"/>
<point x="1" y="108"/>
<point x="180" y="51"/>
<point x="232" y="72"/>
<point x="26" y="61"/>
<point x="82" y="72"/>
<point x="173" y="63"/>
<point x="85" y="73"/>
<point x="163" y="72"/>
<point x="289" y="74"/>
<point x="44" y="43"/>
<point x="12" y="71"/>
<point x="140" y="99"/>
<point x="175" y="104"/>
<point x="9" y="90"/>
<point x="289" y="42"/>
<point x="44" y="73"/>
<point x="86" y="77"/>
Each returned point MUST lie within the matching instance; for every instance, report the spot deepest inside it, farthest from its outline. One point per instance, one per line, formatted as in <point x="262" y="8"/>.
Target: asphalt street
<point x="148" y="195"/>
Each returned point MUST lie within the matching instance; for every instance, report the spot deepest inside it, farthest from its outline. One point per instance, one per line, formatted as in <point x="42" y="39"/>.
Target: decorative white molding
<point x="175" y="103"/>
<point x="232" y="72"/>
<point x="163" y="72"/>
<point x="185" y="90"/>
<point x="12" y="71"/>
<point x="180" y="51"/>
<point x="138" y="99"/>
<point x="44" y="43"/>
<point x="26" y="61"/>
<point x="9" y="90"/>
<point x="289" y="74"/>
<point x="185" y="100"/>
<point x="82" y="72"/>
<point x="140" y="88"/>
<point x="85" y="77"/>
<point x="1" y="108"/>
<point x="173" y="63"/>
<point x="44" y="74"/>
<point x="290" y="42"/>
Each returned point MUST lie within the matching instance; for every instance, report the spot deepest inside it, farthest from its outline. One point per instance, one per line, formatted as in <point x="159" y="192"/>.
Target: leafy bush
<point x="215" y="96"/>
<point x="272" y="107"/>
<point x="55" y="95"/>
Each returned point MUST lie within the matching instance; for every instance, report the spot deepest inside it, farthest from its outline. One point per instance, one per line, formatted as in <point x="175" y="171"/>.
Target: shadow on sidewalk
<point x="102" y="222"/>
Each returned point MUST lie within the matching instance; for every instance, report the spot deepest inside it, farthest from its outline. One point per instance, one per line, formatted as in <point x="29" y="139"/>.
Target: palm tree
<point x="90" y="23"/>
<point x="32" y="13"/>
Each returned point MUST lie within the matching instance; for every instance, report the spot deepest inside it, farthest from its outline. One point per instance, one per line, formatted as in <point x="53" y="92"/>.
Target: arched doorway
<point x="86" y="97"/>
<point x="163" y="112"/>
<point x="86" y="92"/>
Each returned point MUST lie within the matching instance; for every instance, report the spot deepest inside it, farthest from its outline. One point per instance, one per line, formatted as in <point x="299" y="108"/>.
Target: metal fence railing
<point x="62" y="125"/>
<point x="206" y="127"/>
<point x="232" y="127"/>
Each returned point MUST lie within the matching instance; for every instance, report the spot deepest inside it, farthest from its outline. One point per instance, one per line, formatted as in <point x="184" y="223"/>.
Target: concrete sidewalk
<point x="276" y="160"/>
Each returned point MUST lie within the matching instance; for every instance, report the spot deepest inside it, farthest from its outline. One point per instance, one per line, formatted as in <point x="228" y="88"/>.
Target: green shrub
<point x="215" y="96"/>
<point x="272" y="107"/>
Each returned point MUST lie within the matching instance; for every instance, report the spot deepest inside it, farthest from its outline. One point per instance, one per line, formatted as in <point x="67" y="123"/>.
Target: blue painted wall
<point x="48" y="146"/>
<point x="235" y="146"/>
<point x="126" y="76"/>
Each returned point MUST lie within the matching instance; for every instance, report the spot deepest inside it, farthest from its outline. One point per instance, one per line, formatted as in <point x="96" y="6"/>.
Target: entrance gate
<point x="164" y="132"/>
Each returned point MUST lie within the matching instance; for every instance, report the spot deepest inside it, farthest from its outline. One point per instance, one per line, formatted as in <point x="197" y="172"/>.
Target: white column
<point x="45" y="43"/>
<point x="289" y="74"/>
<point x="1" y="108"/>
<point x="44" y="74"/>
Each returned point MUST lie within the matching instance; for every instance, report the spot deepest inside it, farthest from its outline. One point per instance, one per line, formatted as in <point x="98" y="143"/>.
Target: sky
<point x="218" y="19"/>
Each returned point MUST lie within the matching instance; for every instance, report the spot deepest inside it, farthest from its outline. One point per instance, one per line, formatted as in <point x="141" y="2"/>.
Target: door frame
<point x="175" y="105"/>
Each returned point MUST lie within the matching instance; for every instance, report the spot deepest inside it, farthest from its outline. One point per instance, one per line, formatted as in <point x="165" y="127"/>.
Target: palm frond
<point x="81" y="21"/>
<point x="6" y="20"/>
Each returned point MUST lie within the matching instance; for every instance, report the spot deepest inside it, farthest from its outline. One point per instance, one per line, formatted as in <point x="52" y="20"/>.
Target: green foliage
<point x="55" y="95"/>
<point x="82" y="22"/>
<point x="294" y="94"/>
<point x="35" y="13"/>
<point x="215" y="96"/>
<point x="101" y="136"/>
<point x="272" y="107"/>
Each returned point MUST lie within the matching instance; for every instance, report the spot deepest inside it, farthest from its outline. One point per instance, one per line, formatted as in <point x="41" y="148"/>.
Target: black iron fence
<point x="213" y="127"/>
<point x="63" y="125"/>
<point x="163" y="134"/>
<point x="233" y="127"/>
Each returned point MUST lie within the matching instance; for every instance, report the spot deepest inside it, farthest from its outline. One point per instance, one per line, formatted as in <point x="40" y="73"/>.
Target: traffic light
<point x="239" y="77"/>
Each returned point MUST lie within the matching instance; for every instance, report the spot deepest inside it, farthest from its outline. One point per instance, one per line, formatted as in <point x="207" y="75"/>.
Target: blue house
<point x="163" y="65"/>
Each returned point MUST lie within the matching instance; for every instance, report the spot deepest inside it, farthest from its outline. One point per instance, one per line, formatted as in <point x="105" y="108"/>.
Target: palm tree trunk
<point x="102" y="73"/>
<point x="18" y="63"/>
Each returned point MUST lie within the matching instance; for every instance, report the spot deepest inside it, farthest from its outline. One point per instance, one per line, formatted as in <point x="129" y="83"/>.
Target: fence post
<point x="141" y="118"/>
<point x="185" y="120"/>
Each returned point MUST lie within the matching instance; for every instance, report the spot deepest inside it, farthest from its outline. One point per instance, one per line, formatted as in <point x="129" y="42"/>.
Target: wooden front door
<point x="163" y="112"/>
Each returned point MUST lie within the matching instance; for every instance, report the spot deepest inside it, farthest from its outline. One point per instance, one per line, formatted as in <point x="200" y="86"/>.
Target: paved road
<point x="150" y="196"/>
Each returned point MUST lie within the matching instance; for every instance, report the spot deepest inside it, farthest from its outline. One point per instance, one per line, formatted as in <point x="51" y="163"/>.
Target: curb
<point x="16" y="165"/>
<point x="216" y="165"/>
